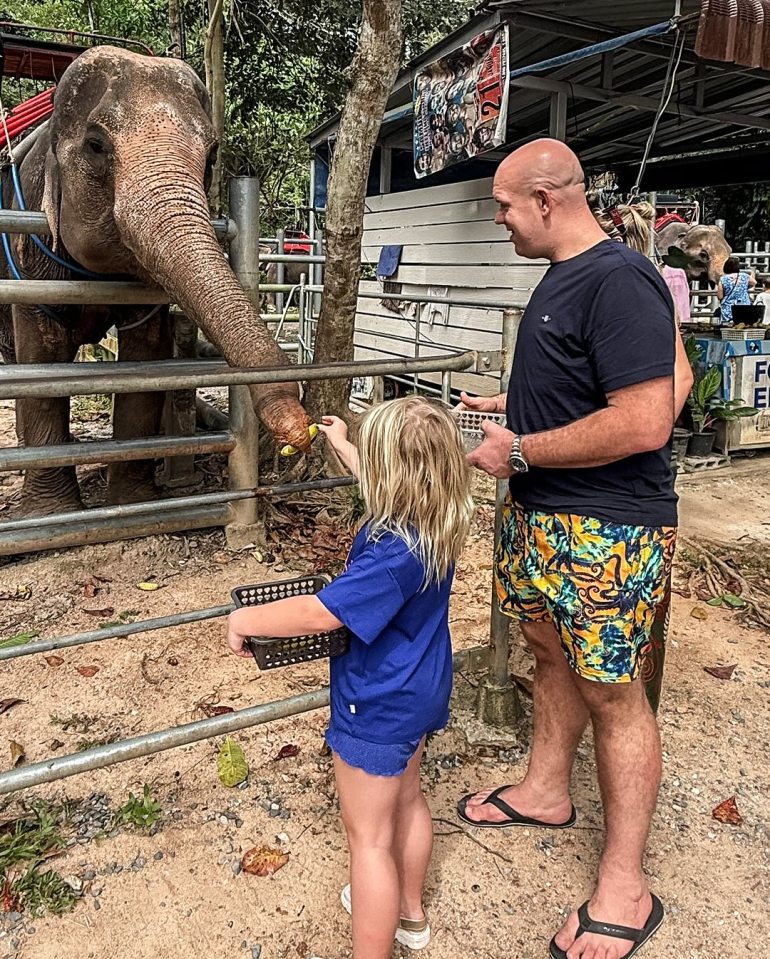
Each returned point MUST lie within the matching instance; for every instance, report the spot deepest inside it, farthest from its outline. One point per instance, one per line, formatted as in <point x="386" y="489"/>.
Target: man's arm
<point x="637" y="419"/>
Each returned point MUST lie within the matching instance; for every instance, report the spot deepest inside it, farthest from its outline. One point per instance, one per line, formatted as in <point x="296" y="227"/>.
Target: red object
<point x="666" y="219"/>
<point x="292" y="246"/>
<point x="27" y="114"/>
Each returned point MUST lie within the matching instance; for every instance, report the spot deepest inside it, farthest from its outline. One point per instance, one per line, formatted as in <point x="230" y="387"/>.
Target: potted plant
<point x="707" y="407"/>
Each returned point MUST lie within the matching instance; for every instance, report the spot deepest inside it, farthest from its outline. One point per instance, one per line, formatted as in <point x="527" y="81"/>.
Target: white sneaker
<point x="412" y="933"/>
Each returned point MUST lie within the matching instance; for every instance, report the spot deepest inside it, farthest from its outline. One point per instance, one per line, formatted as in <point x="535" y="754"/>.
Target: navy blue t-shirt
<point x="393" y="686"/>
<point x="596" y="323"/>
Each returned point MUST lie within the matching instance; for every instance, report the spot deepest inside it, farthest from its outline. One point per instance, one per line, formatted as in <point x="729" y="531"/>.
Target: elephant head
<point x="131" y="150"/>
<point x="704" y="249"/>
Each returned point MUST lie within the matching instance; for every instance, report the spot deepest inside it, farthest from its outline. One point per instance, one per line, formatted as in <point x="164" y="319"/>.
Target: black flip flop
<point x="638" y="936"/>
<point x="514" y="818"/>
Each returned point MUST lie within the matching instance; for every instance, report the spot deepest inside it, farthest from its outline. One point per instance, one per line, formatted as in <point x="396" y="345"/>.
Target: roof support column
<point x="558" y="116"/>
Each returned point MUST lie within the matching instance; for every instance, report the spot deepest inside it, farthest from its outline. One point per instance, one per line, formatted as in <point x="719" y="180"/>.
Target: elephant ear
<point x="52" y="196"/>
<point x="677" y="258"/>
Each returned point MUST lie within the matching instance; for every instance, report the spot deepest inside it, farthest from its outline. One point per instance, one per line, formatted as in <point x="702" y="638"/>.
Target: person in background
<point x="632" y="225"/>
<point x="393" y="685"/>
<point x="763" y="299"/>
<point x="733" y="289"/>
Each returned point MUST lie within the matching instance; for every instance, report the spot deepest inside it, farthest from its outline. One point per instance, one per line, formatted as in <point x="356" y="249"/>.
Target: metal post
<point x="179" y="412"/>
<point x="446" y="387"/>
<point x="317" y="274"/>
<point x="243" y="461"/>
<point x="280" y="270"/>
<point x="498" y="702"/>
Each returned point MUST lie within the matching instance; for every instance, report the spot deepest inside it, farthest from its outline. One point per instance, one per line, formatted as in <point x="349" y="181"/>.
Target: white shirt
<point x="763" y="299"/>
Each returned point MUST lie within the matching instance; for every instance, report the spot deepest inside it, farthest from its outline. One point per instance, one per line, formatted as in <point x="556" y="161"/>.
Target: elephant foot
<point x="121" y="493"/>
<point x="36" y="504"/>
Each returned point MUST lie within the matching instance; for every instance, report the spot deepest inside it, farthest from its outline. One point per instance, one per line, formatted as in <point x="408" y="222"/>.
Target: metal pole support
<point x="243" y="461"/>
<point x="280" y="270"/>
<point x="497" y="701"/>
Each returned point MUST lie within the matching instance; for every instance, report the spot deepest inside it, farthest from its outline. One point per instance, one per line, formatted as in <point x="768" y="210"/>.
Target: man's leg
<point x="628" y="758"/>
<point x="560" y="717"/>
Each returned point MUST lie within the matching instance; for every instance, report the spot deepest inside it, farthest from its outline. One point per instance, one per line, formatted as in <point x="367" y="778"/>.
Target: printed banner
<point x="461" y="103"/>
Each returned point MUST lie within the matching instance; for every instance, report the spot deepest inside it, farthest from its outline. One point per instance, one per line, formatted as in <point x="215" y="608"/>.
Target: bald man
<point x="589" y="529"/>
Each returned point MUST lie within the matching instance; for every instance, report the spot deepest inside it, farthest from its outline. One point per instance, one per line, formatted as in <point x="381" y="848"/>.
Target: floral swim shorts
<point x="597" y="582"/>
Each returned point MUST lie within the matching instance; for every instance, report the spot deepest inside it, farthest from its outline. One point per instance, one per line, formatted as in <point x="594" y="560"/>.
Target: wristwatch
<point x="515" y="458"/>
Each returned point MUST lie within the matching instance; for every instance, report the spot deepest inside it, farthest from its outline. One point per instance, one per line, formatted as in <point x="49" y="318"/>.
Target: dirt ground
<point x="178" y="893"/>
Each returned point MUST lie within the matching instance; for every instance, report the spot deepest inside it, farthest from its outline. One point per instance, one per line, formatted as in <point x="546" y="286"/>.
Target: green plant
<point x="706" y="406"/>
<point x="24" y="845"/>
<point x="142" y="813"/>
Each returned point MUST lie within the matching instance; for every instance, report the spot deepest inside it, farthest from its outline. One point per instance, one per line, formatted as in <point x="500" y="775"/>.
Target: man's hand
<point x="481" y="404"/>
<point x="492" y="455"/>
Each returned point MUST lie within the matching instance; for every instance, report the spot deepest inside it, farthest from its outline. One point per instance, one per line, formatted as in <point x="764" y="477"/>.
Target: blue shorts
<point x="377" y="759"/>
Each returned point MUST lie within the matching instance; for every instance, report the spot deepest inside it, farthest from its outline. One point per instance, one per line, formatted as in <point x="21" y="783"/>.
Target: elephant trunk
<point x="163" y="217"/>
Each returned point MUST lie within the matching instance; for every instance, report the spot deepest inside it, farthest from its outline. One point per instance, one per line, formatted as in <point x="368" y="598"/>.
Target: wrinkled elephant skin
<point x="705" y="249"/>
<point x="121" y="172"/>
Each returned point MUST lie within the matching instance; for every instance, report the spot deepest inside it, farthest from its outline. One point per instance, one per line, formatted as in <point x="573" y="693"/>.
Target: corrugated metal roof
<point x="714" y="106"/>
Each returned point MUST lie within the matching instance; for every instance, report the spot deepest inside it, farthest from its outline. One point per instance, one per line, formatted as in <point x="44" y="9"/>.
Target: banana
<point x="290" y="450"/>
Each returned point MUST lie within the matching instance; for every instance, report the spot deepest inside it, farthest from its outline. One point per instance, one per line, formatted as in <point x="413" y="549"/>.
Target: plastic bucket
<point x="701" y="444"/>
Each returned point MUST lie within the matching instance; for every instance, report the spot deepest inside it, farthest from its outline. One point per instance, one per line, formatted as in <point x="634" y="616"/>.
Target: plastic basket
<point x="470" y="426"/>
<point x="753" y="333"/>
<point x="271" y="652"/>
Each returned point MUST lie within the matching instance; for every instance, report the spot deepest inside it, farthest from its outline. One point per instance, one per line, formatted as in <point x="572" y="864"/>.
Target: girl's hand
<point x="334" y="429"/>
<point x="236" y="637"/>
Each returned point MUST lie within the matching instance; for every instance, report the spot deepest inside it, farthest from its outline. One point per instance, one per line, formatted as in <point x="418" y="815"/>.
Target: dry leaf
<point x="263" y="861"/>
<point x="208" y="710"/>
<point x="88" y="671"/>
<point x="6" y="704"/>
<point x="698" y="612"/>
<point x="20" y="593"/>
<point x="232" y="767"/>
<point x="720" y="672"/>
<point x="727" y="812"/>
<point x="101" y="579"/>
<point x="90" y="590"/>
<point x="53" y="660"/>
<point x="17" y="753"/>
<point x="148" y="587"/>
<point x="288" y="751"/>
<point x="107" y="611"/>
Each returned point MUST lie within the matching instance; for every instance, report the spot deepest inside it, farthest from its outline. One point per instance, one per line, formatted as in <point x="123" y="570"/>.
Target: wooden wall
<point x="449" y="239"/>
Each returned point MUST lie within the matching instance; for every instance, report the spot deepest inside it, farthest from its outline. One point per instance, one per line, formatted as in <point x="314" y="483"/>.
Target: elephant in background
<point x="700" y="250"/>
<point x="121" y="172"/>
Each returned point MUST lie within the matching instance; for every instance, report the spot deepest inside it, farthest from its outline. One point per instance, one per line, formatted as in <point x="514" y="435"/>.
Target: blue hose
<point x="39" y="243"/>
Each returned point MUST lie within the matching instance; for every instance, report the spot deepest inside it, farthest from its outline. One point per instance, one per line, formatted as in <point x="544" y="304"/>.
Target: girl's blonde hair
<point x="415" y="480"/>
<point x="635" y="226"/>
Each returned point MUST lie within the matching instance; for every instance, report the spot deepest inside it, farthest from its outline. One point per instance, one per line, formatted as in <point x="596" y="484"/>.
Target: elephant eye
<point x="94" y="145"/>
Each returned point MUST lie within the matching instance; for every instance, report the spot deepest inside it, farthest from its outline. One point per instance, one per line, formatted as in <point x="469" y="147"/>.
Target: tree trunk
<point x="372" y="74"/>
<point x="175" y="28"/>
<point x="214" y="60"/>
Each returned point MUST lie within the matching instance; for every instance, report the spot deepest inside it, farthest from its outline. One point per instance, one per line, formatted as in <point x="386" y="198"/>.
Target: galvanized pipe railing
<point x="112" y="451"/>
<point x="64" y="379"/>
<point x="50" y="770"/>
<point x="36" y="222"/>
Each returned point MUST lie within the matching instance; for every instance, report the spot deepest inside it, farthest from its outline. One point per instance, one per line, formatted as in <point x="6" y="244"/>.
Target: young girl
<point x="393" y="686"/>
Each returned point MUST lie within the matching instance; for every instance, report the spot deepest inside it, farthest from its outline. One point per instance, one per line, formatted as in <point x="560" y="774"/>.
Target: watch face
<point x="518" y="464"/>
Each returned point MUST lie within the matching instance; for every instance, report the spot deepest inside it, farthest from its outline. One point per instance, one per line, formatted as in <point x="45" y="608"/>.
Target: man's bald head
<point x="540" y="189"/>
<point x="543" y="164"/>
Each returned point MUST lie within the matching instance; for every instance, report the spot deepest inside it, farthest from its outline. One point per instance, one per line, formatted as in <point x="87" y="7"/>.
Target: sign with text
<point x="461" y="103"/>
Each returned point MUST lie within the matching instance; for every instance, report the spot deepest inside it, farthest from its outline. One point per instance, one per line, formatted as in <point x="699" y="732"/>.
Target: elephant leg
<point x="138" y="414"/>
<point x="45" y="421"/>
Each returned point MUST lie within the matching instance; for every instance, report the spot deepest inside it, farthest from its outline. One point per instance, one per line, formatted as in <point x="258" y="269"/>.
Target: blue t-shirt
<point x="596" y="323"/>
<point x="393" y="686"/>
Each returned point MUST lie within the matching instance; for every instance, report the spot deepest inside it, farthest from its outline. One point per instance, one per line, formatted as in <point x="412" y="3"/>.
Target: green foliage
<point x="707" y="407"/>
<point x="285" y="67"/>
<point x="24" y="845"/>
<point x="141" y="813"/>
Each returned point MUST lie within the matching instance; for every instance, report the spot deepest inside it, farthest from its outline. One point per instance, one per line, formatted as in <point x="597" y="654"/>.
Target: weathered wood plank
<point x="431" y="195"/>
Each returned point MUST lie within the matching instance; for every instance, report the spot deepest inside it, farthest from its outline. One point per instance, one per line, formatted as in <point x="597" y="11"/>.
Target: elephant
<point x="122" y="172"/>
<point x="704" y="249"/>
<point x="291" y="274"/>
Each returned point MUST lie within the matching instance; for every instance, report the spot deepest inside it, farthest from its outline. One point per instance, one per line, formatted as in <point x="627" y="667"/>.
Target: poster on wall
<point x="461" y="103"/>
